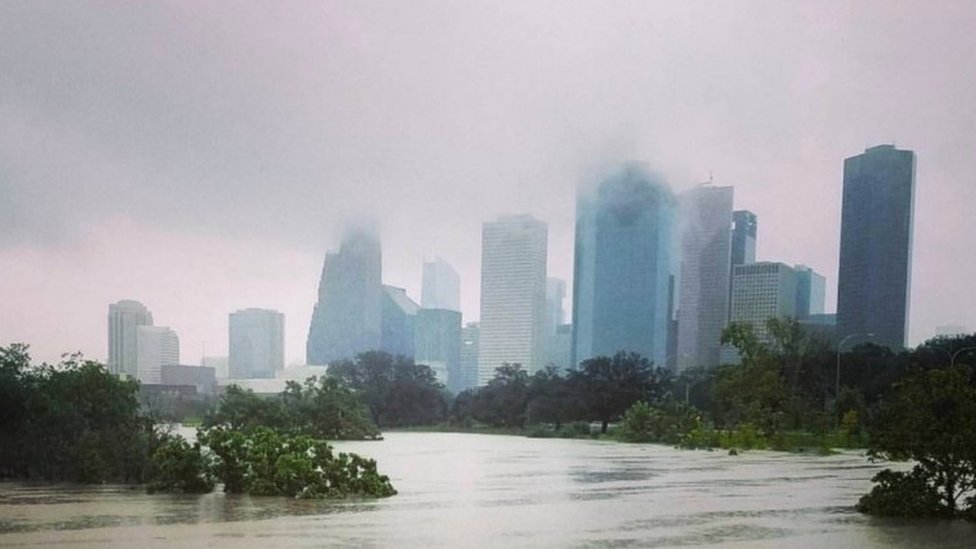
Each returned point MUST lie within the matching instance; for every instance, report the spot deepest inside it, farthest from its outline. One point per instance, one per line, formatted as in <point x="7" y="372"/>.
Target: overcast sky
<point x="200" y="157"/>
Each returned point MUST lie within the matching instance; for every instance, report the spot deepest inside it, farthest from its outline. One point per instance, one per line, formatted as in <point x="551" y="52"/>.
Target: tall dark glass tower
<point x="874" y="282"/>
<point x="347" y="317"/>
<point x="744" y="224"/>
<point x="623" y="266"/>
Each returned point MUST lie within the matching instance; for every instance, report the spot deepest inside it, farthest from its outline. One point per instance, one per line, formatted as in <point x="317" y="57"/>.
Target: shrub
<point x="177" y="467"/>
<point x="268" y="463"/>
<point x="641" y="423"/>
<point x="902" y="495"/>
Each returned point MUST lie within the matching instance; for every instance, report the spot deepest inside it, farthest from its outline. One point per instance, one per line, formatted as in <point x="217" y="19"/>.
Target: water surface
<point x="465" y="490"/>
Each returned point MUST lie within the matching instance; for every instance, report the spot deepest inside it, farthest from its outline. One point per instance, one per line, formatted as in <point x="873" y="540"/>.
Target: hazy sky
<point x="200" y="157"/>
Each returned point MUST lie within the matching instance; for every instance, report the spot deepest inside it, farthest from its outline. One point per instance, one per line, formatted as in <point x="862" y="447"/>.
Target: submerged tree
<point x="320" y="407"/>
<point x="610" y="385"/>
<point x="70" y="422"/>
<point x="264" y="462"/>
<point x="931" y="421"/>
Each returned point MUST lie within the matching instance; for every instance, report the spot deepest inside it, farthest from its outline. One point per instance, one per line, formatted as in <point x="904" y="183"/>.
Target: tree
<point x="320" y="407"/>
<point x="610" y="385"/>
<point x="930" y="420"/>
<point x="178" y="467"/>
<point x="396" y="391"/>
<point x="552" y="398"/>
<point x="502" y="402"/>
<point x="70" y="422"/>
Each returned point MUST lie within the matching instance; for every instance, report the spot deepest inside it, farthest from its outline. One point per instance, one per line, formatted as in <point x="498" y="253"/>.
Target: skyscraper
<point x="257" y="343"/>
<point x="438" y="345"/>
<point x="874" y="282"/>
<point x="703" y="303"/>
<point x="124" y="318"/>
<point x="398" y="322"/>
<point x="744" y="228"/>
<point x="555" y="294"/>
<point x="441" y="288"/>
<point x="559" y="338"/>
<point x="810" y="292"/>
<point x="623" y="265"/>
<point x="761" y="291"/>
<point x="347" y="317"/>
<point x="513" y="294"/>
<point x="469" y="357"/>
<point x="155" y="346"/>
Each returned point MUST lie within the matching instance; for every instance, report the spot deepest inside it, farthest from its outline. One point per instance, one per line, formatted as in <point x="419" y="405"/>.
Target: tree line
<point x="76" y="422"/>
<point x="783" y="394"/>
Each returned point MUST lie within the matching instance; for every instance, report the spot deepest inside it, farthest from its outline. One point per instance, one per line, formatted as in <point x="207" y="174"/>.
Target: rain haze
<point x="202" y="157"/>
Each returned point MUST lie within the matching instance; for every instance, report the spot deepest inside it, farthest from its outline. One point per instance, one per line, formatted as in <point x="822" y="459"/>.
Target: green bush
<point x="746" y="437"/>
<point x="264" y="462"/>
<point x="641" y="423"/>
<point x="177" y="467"/>
<point x="540" y="431"/>
<point x="578" y="428"/>
<point x="903" y="495"/>
<point x="702" y="436"/>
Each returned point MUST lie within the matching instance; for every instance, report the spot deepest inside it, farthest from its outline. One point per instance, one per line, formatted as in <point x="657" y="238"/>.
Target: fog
<point x="202" y="158"/>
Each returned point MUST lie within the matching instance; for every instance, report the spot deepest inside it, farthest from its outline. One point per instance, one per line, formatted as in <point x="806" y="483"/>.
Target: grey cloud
<point x="277" y="120"/>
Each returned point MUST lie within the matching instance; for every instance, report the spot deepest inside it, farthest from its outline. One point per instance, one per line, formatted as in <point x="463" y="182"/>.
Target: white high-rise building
<point x="123" y="319"/>
<point x="706" y="248"/>
<point x="257" y="343"/>
<point x="156" y="346"/>
<point x="441" y="287"/>
<point x="761" y="291"/>
<point x="513" y="295"/>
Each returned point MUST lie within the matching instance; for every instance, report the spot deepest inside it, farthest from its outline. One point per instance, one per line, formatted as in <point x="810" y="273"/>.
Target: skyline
<point x="156" y="168"/>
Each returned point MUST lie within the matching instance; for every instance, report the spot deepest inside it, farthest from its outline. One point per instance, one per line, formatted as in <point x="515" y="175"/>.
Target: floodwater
<point x="465" y="490"/>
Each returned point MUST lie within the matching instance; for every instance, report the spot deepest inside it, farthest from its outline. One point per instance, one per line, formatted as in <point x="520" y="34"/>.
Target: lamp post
<point x="952" y="360"/>
<point x="839" y="346"/>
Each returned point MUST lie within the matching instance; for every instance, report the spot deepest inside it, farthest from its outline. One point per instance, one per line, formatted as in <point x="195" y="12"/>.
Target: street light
<point x="839" y="346"/>
<point x="952" y="361"/>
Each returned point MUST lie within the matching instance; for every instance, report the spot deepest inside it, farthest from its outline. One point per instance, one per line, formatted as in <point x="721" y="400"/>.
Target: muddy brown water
<point x="467" y="490"/>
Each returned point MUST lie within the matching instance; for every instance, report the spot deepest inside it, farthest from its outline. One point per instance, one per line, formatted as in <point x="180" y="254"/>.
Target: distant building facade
<point x="555" y="295"/>
<point x="397" y="324"/>
<point x="347" y="317"/>
<point x="438" y="345"/>
<point x="761" y="291"/>
<point x="469" y="357"/>
<point x="155" y="346"/>
<point x="703" y="303"/>
<point x="561" y="348"/>
<point x="558" y="346"/>
<point x="441" y="287"/>
<point x="874" y="281"/>
<point x="257" y="343"/>
<point x="623" y="266"/>
<point x="821" y="326"/>
<point x="513" y="294"/>
<point x="220" y="364"/>
<point x="201" y="377"/>
<point x="745" y="226"/>
<point x="124" y="317"/>
<point x="811" y="291"/>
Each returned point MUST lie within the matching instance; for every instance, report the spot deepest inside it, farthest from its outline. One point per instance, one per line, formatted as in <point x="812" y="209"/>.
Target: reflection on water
<point x="480" y="490"/>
